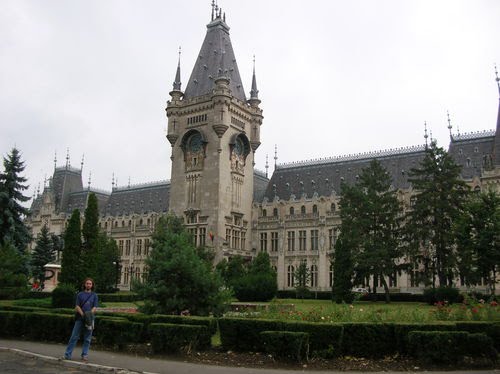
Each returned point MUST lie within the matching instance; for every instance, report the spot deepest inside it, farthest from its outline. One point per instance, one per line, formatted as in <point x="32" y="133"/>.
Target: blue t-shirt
<point x="86" y="300"/>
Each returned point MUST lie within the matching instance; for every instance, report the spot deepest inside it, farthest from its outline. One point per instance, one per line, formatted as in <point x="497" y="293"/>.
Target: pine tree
<point x="478" y="239"/>
<point x="71" y="264"/>
<point x="13" y="280"/>
<point x="178" y="279"/>
<point x="90" y="233"/>
<point x="258" y="283"/>
<point x="43" y="254"/>
<point x="438" y="202"/>
<point x="12" y="227"/>
<point x="108" y="260"/>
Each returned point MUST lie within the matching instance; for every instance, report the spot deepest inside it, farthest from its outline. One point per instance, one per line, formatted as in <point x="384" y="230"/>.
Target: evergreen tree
<point x="438" y="202"/>
<point x="43" y="254"/>
<point x="258" y="283"/>
<point x="108" y="259"/>
<point x="232" y="270"/>
<point x="12" y="227"/>
<point x="90" y="233"/>
<point x="369" y="240"/>
<point x="13" y="281"/>
<point x="71" y="264"/>
<point x="478" y="239"/>
<point x="178" y="279"/>
<point x="302" y="277"/>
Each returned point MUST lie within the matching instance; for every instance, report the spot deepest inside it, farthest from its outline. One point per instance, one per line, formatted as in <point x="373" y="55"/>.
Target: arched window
<point x="332" y="207"/>
<point x="302" y="209"/>
<point x="275" y="212"/>
<point x="264" y="213"/>
<point x="123" y="223"/>
<point x="292" y="211"/>
<point x="314" y="275"/>
<point x="315" y="209"/>
<point x="140" y="222"/>
<point x="477" y="189"/>
<point x="290" y="277"/>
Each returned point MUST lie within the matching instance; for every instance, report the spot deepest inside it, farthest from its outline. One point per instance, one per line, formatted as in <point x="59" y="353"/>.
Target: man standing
<point x="86" y="306"/>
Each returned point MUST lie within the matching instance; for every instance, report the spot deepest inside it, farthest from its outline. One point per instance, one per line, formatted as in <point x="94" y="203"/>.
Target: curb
<point x="101" y="369"/>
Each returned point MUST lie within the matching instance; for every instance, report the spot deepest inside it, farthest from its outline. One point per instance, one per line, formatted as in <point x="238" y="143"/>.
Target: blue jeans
<point x="75" y="335"/>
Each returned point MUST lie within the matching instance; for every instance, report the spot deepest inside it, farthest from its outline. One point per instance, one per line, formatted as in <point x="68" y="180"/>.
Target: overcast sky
<point x="334" y="77"/>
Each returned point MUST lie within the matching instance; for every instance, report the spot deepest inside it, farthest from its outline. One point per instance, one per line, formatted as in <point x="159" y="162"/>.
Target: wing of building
<point x="214" y="132"/>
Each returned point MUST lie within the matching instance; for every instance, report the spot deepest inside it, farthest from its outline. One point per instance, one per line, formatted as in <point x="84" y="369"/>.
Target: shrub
<point x="286" y="344"/>
<point x="64" y="296"/>
<point x="440" y="347"/>
<point x="129" y="297"/>
<point x="171" y="338"/>
<point x="255" y="287"/>
<point x="117" y="332"/>
<point x="492" y="329"/>
<point x="368" y="339"/>
<point x="442" y="294"/>
<point x="402" y="330"/>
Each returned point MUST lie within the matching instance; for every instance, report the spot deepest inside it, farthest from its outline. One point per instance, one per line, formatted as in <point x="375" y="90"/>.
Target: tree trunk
<point x="386" y="289"/>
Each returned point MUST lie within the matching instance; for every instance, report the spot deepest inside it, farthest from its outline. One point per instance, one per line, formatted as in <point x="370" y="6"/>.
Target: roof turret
<point x="216" y="59"/>
<point x="177" y="82"/>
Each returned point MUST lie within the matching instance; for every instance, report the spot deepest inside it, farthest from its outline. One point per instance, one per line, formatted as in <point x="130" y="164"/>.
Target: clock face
<point x="195" y="142"/>
<point x="238" y="147"/>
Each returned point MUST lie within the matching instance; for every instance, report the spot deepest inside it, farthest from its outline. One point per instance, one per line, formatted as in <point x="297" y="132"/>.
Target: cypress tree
<point x="43" y="254"/>
<point x="71" y="265"/>
<point x="90" y="233"/>
<point x="12" y="227"/>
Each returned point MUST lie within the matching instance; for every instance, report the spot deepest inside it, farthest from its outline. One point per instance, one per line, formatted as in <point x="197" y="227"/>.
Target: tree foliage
<point x="438" y="202"/>
<point x="13" y="281"/>
<point x="178" y="279"/>
<point x="258" y="282"/>
<point x="369" y="242"/>
<point x="71" y="264"/>
<point x="43" y="254"/>
<point x="478" y="239"/>
<point x="12" y="227"/>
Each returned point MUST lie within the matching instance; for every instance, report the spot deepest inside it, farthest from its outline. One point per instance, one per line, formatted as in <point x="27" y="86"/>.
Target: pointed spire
<point x="81" y="163"/>
<point x="177" y="82"/>
<point x="254" y="92"/>
<point x="113" y="182"/>
<point x="55" y="160"/>
<point x="449" y="124"/>
<point x="128" y="182"/>
<point x="213" y="9"/>
<point x="497" y="79"/>
<point x="67" y="158"/>
<point x="90" y="180"/>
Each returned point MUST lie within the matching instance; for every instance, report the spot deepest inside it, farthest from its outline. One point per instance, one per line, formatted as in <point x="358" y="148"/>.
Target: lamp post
<point x="131" y="273"/>
<point x="117" y="274"/>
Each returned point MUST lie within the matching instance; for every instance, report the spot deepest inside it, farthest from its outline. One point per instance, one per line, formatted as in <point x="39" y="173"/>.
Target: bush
<point x="442" y="294"/>
<point x="255" y="287"/>
<point x="64" y="296"/>
<point x="286" y="344"/>
<point x="402" y="330"/>
<point x="492" y="329"/>
<point x="368" y="339"/>
<point x="172" y="338"/>
<point x="128" y="297"/>
<point x="117" y="332"/>
<point x="446" y="347"/>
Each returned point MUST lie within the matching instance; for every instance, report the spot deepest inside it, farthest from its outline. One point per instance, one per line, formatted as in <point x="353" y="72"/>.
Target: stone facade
<point x="214" y="131"/>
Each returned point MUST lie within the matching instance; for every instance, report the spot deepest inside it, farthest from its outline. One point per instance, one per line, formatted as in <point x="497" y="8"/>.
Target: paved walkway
<point x="22" y="357"/>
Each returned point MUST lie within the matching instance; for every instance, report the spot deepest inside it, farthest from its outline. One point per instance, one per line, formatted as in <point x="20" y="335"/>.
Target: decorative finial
<point x="44" y="181"/>
<point x="90" y="179"/>
<point x="81" y="163"/>
<point x="177" y="81"/>
<point x="275" y="155"/>
<point x="129" y="182"/>
<point x="267" y="164"/>
<point x="254" y="92"/>
<point x="67" y="158"/>
<point x="224" y="17"/>
<point x="213" y="8"/>
<point x="38" y="189"/>
<point x="449" y="122"/>
<point x="425" y="133"/>
<point x="497" y="79"/>
<point x="55" y="159"/>
<point x="113" y="181"/>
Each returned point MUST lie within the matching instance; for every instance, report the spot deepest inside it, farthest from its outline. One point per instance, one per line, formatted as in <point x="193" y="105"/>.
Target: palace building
<point x="214" y="131"/>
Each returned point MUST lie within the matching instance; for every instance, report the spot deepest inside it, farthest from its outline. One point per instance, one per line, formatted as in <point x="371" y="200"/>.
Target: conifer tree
<point x="13" y="280"/>
<point x="43" y="254"/>
<point x="90" y="233"/>
<point x="12" y="227"/>
<point x="71" y="265"/>
<point x="437" y="204"/>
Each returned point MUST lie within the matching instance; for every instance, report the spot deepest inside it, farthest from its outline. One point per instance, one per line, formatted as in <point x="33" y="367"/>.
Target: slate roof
<point x="473" y="152"/>
<point x="138" y="199"/>
<point x="216" y="58"/>
<point x="324" y="176"/>
<point x="65" y="181"/>
<point x="260" y="182"/>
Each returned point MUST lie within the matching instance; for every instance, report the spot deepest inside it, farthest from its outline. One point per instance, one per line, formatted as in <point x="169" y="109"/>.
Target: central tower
<point x="214" y="132"/>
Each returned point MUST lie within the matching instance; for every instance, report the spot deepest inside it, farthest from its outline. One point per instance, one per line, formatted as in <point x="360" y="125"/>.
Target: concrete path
<point x="112" y="362"/>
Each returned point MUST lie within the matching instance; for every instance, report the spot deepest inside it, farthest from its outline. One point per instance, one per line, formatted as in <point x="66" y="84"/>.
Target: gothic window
<point x="274" y="241"/>
<point x="302" y="209"/>
<point x="314" y="275"/>
<point x="275" y="212"/>
<point x="263" y="241"/>
<point x="315" y="209"/>
<point x="243" y="240"/>
<point x="127" y="247"/>
<point x="332" y="207"/>
<point x="264" y="213"/>
<point x="120" y="247"/>
<point x="291" y="211"/>
<point x="290" y="275"/>
<point x="291" y="240"/>
<point x="146" y="247"/>
<point x="302" y="240"/>
<point x="314" y="240"/>
<point x="139" y="247"/>
<point x="332" y="238"/>
<point x="105" y="225"/>
<point x="468" y="162"/>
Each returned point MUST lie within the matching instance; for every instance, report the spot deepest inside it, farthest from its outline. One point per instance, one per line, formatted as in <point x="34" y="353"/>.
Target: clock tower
<point x="214" y="132"/>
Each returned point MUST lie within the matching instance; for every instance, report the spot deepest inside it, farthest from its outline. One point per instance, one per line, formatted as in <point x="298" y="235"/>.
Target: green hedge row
<point x="171" y="338"/>
<point x="286" y="344"/>
<point x="447" y="347"/>
<point x="353" y="339"/>
<point x="118" y="297"/>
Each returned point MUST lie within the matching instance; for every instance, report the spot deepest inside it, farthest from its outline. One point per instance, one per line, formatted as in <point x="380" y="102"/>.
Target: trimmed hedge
<point x="492" y="329"/>
<point x="327" y="295"/>
<point x="171" y="338"/>
<point x="118" y="297"/>
<point x="445" y="347"/>
<point x="286" y="344"/>
<point x="401" y="331"/>
<point x="117" y="332"/>
<point x="368" y="339"/>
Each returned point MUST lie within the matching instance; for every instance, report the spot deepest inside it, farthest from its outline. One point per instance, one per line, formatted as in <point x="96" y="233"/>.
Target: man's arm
<point x="79" y="310"/>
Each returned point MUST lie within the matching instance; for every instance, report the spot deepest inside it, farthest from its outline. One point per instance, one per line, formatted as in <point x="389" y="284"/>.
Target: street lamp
<point x="117" y="274"/>
<point x="131" y="273"/>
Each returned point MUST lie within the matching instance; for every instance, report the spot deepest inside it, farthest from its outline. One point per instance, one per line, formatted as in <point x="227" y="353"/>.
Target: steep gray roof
<point x="138" y="199"/>
<point x="260" y="182"/>
<point x="216" y="58"/>
<point x="324" y="176"/>
<point x="65" y="181"/>
<point x="473" y="152"/>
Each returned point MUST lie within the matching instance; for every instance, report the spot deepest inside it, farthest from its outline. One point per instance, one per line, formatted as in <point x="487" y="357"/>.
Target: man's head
<point x="88" y="284"/>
